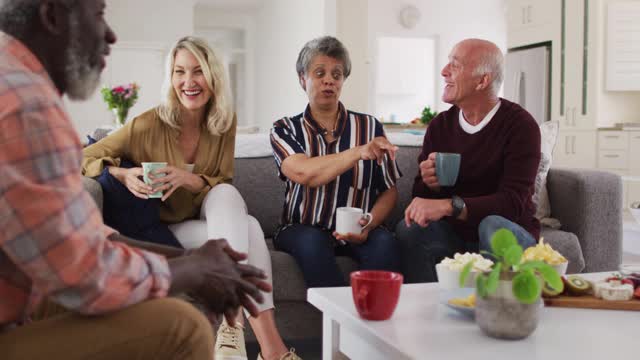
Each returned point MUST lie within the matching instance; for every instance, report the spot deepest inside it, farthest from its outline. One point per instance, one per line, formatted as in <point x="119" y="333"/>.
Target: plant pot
<point x="502" y="316"/>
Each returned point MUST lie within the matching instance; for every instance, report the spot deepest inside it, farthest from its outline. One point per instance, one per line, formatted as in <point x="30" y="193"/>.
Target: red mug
<point x="375" y="293"/>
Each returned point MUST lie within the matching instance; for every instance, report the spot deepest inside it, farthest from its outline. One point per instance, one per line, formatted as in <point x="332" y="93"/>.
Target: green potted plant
<point x="427" y="115"/>
<point x="508" y="297"/>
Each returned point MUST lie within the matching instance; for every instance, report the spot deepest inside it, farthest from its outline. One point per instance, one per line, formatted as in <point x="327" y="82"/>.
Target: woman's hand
<point x="174" y="178"/>
<point x="131" y="179"/>
<point x="428" y="173"/>
<point x="376" y="148"/>
<point x="355" y="238"/>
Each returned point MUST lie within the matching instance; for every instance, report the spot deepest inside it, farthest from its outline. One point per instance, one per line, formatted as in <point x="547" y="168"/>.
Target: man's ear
<point x="51" y="16"/>
<point x="302" y="81"/>
<point x="484" y="83"/>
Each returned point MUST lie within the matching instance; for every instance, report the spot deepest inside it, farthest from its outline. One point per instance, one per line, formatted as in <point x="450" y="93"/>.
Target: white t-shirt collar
<point x="472" y="129"/>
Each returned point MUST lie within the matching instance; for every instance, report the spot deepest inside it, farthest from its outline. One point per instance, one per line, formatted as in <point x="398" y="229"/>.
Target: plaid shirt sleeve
<point x="51" y="228"/>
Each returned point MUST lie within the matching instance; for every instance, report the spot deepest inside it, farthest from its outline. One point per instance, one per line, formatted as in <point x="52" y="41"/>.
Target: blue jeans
<point x="423" y="248"/>
<point x="315" y="252"/>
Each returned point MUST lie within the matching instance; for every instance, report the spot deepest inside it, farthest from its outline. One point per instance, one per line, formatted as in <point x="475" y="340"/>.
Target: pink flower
<point x="118" y="90"/>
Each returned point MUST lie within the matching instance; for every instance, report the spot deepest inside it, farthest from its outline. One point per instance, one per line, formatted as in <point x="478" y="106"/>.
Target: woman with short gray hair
<point x="331" y="157"/>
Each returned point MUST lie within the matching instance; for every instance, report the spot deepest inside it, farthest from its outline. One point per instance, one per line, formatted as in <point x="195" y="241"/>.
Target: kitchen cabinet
<point x="617" y="153"/>
<point x="576" y="108"/>
<point x="575" y="149"/>
<point x="531" y="21"/>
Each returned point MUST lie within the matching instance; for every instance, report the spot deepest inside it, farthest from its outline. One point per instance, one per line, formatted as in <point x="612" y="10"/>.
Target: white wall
<point x="449" y="21"/>
<point x="283" y="27"/>
<point x="145" y="30"/>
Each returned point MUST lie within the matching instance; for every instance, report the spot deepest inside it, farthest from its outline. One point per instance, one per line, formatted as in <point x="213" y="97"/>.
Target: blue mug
<point x="447" y="168"/>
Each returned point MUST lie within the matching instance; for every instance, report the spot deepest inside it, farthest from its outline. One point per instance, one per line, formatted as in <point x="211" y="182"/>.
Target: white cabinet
<point x="575" y="149"/>
<point x="576" y="103"/>
<point x="531" y="21"/>
<point x="618" y="153"/>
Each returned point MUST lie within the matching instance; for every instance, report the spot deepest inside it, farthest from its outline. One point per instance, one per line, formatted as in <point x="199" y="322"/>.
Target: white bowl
<point x="450" y="279"/>
<point x="561" y="268"/>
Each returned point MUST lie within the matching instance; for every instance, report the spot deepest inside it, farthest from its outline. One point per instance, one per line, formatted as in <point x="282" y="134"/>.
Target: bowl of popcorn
<point x="544" y="252"/>
<point x="448" y="270"/>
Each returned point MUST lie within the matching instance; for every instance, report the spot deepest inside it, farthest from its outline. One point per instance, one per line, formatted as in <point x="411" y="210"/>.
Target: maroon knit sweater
<point x="498" y="167"/>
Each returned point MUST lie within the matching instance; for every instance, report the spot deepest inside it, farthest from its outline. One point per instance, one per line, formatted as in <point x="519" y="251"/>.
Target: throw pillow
<point x="548" y="135"/>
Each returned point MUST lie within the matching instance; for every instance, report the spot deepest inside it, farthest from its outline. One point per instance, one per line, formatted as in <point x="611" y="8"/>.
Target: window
<point x="405" y="78"/>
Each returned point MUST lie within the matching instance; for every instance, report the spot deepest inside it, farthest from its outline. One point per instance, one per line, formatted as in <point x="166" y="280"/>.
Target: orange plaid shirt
<point x="53" y="242"/>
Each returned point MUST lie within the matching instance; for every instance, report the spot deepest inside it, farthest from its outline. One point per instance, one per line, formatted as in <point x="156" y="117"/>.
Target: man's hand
<point x="423" y="211"/>
<point x="376" y="148"/>
<point x="428" y="173"/>
<point x="213" y="275"/>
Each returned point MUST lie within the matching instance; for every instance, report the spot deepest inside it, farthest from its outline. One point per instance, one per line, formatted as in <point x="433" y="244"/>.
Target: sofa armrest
<point x="94" y="189"/>
<point x="588" y="203"/>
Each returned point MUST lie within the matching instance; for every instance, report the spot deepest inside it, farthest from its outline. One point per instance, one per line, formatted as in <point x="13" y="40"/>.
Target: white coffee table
<point x="423" y="328"/>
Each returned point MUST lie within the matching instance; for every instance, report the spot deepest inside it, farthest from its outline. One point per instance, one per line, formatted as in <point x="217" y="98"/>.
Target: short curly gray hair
<point x="17" y="16"/>
<point x="325" y="45"/>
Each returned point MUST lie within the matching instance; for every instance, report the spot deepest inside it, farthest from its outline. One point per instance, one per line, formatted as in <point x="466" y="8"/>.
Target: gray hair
<point x="325" y="45"/>
<point x="491" y="61"/>
<point x="16" y="16"/>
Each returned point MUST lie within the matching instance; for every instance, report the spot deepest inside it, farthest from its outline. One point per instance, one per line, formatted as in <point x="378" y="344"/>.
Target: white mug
<point x="348" y="220"/>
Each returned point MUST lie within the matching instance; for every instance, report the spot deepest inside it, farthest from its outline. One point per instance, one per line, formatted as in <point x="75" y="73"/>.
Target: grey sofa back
<point x="263" y="191"/>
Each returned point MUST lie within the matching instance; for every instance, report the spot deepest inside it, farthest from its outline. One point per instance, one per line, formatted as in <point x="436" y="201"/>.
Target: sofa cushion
<point x="262" y="190"/>
<point x="567" y="244"/>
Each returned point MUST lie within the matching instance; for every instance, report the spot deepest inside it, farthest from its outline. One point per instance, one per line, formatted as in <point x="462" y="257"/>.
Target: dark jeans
<point x="131" y="216"/>
<point x="315" y="252"/>
<point x="423" y="248"/>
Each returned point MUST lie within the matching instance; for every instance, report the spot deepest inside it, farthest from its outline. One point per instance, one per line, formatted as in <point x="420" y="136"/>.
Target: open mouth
<point x="192" y="92"/>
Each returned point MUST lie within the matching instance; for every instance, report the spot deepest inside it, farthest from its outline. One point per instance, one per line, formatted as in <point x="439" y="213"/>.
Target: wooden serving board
<point x="591" y="302"/>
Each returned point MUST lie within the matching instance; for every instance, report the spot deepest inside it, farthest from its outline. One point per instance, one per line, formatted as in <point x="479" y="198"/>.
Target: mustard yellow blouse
<point x="147" y="138"/>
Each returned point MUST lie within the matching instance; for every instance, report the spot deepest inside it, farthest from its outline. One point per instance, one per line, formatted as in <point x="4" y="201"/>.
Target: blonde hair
<point x="219" y="112"/>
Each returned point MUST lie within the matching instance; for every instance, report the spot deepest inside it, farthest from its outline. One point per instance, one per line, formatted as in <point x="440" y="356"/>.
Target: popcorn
<point x="460" y="260"/>
<point x="543" y="252"/>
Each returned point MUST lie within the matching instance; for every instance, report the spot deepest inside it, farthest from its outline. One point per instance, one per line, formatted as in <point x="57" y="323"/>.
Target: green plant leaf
<point x="502" y="240"/>
<point x="551" y="276"/>
<point x="466" y="270"/>
<point x="531" y="265"/>
<point x="513" y="255"/>
<point x="494" y="278"/>
<point x="481" y="285"/>
<point x="526" y="287"/>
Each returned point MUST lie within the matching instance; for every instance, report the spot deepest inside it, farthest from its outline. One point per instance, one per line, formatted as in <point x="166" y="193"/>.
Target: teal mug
<point x="447" y="168"/>
<point x="151" y="167"/>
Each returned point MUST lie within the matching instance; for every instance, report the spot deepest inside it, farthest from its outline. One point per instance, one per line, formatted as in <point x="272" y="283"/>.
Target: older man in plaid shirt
<point x="53" y="244"/>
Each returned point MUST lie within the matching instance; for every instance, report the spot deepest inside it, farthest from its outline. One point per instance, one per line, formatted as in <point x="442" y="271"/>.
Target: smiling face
<point x="189" y="81"/>
<point x="89" y="40"/>
<point x="323" y="81"/>
<point x="460" y="82"/>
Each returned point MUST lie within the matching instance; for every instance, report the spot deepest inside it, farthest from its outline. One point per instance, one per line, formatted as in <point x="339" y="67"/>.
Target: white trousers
<point x="224" y="216"/>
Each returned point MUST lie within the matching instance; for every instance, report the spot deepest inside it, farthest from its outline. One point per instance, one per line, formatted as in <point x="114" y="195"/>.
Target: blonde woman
<point x="193" y="130"/>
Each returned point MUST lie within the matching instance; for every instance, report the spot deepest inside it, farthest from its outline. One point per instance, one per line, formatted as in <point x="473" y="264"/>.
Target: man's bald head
<point x="487" y="59"/>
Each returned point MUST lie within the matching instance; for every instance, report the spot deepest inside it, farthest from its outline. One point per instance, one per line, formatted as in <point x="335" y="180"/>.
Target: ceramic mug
<point x="447" y="168"/>
<point x="348" y="220"/>
<point x="148" y="167"/>
<point x="375" y="293"/>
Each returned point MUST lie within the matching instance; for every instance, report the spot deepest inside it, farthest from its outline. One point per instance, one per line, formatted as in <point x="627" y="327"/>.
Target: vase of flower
<point x="120" y="99"/>
<point x="120" y="117"/>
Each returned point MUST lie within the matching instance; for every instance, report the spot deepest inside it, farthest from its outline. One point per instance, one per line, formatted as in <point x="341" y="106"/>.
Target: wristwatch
<point x="458" y="205"/>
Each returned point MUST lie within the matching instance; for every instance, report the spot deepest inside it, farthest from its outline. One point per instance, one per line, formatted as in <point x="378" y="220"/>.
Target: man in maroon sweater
<point x="499" y="143"/>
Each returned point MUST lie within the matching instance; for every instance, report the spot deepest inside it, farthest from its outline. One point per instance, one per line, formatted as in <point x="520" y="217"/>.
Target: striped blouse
<point x="357" y="187"/>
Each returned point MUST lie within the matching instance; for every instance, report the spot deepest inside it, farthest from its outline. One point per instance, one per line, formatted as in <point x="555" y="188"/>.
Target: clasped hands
<point x="173" y="179"/>
<point x="213" y="275"/>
